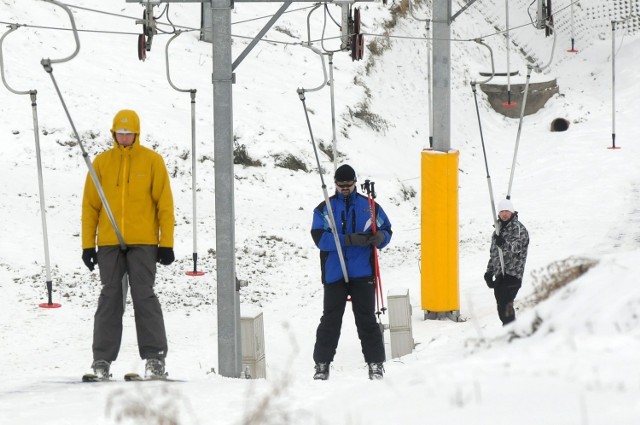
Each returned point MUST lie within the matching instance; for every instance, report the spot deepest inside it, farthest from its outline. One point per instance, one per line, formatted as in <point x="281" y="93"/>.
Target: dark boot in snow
<point x="376" y="370"/>
<point x="508" y="315"/>
<point x="322" y="371"/>
<point x="101" y="369"/>
<point x="154" y="369"/>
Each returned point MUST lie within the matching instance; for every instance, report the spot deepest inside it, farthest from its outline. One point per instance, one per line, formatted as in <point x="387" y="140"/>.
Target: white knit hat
<point x="506" y="205"/>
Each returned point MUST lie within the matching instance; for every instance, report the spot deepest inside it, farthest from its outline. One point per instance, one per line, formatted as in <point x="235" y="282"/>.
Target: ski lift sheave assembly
<point x="149" y="29"/>
<point x="356" y="36"/>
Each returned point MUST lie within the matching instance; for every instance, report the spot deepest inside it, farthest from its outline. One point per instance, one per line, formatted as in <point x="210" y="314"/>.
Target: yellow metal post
<point x="439" y="235"/>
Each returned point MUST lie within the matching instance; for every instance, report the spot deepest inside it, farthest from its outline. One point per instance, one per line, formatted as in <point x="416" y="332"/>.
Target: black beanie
<point x="344" y="173"/>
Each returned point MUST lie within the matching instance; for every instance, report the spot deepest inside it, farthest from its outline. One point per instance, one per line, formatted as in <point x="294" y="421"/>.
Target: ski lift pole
<point x="333" y="114"/>
<point x="613" y="84"/>
<point x="539" y="68"/>
<point x="430" y="83"/>
<point x="515" y="152"/>
<point x="427" y="22"/>
<point x="369" y="187"/>
<point x="192" y="92"/>
<point x="46" y="64"/>
<point x="496" y="224"/>
<point x="573" y="40"/>
<point x="43" y="214"/>
<point x="509" y="103"/>
<point x="332" y="220"/>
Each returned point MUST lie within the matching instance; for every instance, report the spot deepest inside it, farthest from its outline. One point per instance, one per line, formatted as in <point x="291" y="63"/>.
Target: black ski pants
<point x="505" y="290"/>
<point x="139" y="262"/>
<point x="362" y="292"/>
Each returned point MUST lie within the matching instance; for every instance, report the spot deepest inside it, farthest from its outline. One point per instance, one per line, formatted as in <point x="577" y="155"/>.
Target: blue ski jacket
<point x="352" y="215"/>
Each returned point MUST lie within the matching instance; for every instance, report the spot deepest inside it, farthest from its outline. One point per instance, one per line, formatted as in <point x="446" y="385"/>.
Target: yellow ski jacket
<point x="137" y="187"/>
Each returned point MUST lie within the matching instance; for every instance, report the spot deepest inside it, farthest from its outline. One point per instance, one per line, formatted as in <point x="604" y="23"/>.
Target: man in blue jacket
<point x="352" y="216"/>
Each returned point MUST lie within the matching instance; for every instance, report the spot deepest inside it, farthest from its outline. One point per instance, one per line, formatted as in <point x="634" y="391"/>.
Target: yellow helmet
<point x="126" y="121"/>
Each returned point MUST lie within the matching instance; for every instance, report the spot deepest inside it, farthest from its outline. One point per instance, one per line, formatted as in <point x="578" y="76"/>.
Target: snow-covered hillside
<point x="570" y="359"/>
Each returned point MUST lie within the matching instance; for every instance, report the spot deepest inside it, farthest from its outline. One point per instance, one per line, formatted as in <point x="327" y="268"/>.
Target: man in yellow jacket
<point x="136" y="186"/>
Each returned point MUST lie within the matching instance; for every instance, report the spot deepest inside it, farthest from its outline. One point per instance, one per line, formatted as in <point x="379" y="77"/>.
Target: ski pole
<point x="369" y="187"/>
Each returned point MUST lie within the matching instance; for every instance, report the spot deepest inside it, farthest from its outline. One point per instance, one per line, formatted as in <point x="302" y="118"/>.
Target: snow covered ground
<point x="571" y="359"/>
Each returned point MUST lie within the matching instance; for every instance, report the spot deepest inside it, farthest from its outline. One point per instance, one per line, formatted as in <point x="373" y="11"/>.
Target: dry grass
<point x="555" y="276"/>
<point x="147" y="405"/>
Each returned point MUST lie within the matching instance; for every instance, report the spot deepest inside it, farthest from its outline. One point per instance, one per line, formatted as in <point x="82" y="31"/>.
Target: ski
<point x="136" y="377"/>
<point x="92" y="377"/>
<point x="128" y="377"/>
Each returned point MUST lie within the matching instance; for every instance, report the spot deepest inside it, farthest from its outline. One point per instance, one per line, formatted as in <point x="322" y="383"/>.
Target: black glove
<point x="500" y="242"/>
<point x="165" y="255"/>
<point x="376" y="238"/>
<point x="488" y="277"/>
<point x="90" y="258"/>
<point x="357" y="239"/>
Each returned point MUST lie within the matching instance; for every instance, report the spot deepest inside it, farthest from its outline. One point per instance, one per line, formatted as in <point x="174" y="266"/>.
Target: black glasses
<point x="345" y="185"/>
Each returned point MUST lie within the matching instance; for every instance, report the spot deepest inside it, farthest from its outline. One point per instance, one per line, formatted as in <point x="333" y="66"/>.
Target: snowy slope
<point x="576" y="197"/>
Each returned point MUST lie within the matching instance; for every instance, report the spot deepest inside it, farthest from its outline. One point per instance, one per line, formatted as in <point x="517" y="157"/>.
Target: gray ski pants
<point x="139" y="261"/>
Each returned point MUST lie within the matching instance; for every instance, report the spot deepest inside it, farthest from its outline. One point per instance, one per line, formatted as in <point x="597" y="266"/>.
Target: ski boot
<point x="322" y="371"/>
<point x="101" y="369"/>
<point x="154" y="369"/>
<point x="376" y="371"/>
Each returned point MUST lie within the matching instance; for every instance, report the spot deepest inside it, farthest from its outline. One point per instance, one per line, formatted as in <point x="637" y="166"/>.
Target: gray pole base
<point x="443" y="315"/>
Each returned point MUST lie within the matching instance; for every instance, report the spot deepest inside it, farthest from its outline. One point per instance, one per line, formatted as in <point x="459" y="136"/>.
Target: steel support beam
<point x="228" y="299"/>
<point x="441" y="75"/>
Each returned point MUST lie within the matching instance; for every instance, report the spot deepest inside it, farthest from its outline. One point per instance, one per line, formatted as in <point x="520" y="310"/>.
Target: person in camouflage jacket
<point x="513" y="243"/>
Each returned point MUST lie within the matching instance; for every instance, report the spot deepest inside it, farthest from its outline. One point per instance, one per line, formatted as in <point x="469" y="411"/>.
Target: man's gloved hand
<point x="500" y="242"/>
<point x="165" y="255"/>
<point x="357" y="239"/>
<point x="90" y="258"/>
<point x="488" y="277"/>
<point x="376" y="238"/>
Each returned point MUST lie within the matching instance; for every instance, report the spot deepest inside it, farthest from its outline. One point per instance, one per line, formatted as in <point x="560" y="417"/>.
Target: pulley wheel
<point x="359" y="46"/>
<point x="145" y="27"/>
<point x="142" y="47"/>
<point x="354" y="44"/>
<point x="357" y="24"/>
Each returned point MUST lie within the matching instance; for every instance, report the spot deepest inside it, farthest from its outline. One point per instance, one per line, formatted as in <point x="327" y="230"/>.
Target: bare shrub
<point x="147" y="405"/>
<point x="398" y="10"/>
<point x="290" y="162"/>
<point x="555" y="276"/>
<point x="407" y="192"/>
<point x="373" y="120"/>
<point x="241" y="156"/>
<point x="327" y="150"/>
